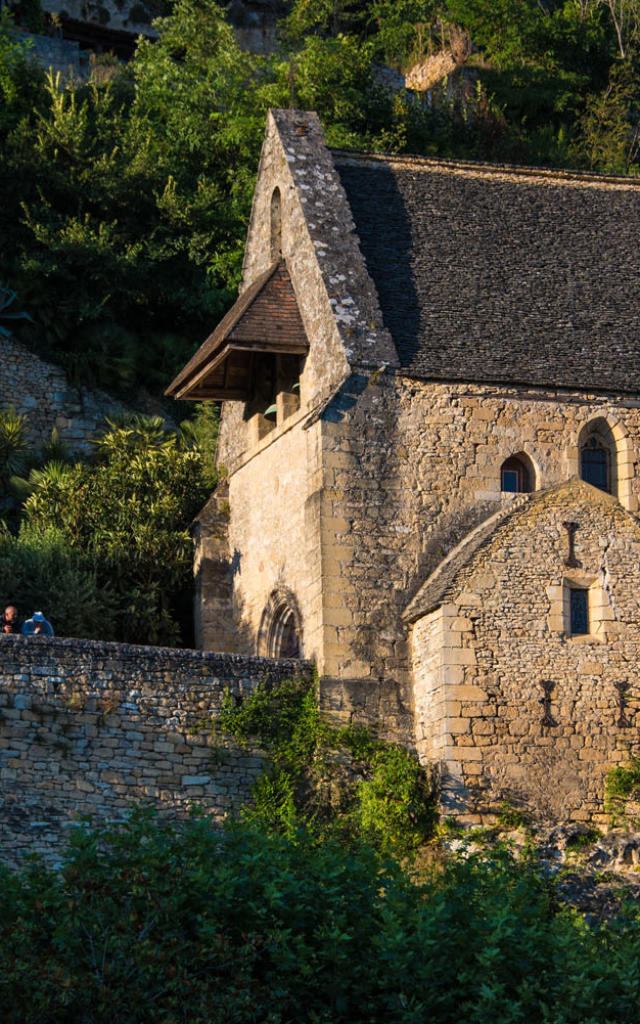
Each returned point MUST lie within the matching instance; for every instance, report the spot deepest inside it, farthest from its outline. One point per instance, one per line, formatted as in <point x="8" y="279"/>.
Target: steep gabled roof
<point x="502" y="275"/>
<point x="444" y="580"/>
<point x="265" y="318"/>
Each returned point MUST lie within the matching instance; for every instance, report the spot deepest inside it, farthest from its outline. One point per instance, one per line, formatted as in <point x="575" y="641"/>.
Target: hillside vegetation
<point x="125" y="204"/>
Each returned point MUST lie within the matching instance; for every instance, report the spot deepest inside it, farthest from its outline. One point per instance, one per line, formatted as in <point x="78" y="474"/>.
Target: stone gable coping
<point x="350" y="290"/>
<point x="442" y="580"/>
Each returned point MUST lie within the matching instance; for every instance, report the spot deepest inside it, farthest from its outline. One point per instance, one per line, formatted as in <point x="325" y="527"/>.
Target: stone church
<point x="429" y="442"/>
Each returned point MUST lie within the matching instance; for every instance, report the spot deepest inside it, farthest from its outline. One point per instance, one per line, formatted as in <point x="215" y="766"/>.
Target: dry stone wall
<point x="41" y="391"/>
<point x="93" y="728"/>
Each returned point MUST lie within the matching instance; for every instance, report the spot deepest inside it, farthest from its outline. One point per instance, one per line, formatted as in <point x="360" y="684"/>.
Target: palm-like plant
<point x="14" y="445"/>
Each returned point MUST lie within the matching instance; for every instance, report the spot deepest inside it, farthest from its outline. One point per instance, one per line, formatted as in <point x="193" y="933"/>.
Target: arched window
<point x="516" y="475"/>
<point x="594" y="464"/>
<point x="598" y="456"/>
<point x="276" y="225"/>
<point x="280" y="633"/>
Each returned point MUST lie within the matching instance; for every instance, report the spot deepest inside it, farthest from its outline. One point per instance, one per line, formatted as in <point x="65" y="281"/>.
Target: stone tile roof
<point x="444" y="579"/>
<point x="265" y="318"/>
<point x="440" y="582"/>
<point x="502" y="275"/>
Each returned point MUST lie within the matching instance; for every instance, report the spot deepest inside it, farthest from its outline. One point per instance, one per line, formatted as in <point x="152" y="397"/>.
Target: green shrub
<point x="39" y="571"/>
<point x="14" y="445"/>
<point x="125" y="518"/>
<point x="395" y="808"/>
<point x="509" y="816"/>
<point x="340" y="782"/>
<point x="622" y="784"/>
<point x="164" y="922"/>
<point x="581" y="840"/>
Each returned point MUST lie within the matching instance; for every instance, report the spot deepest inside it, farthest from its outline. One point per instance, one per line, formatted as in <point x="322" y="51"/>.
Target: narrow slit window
<point x="579" y="612"/>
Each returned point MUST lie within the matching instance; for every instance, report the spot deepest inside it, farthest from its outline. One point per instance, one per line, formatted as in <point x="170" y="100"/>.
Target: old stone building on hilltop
<point x="431" y="431"/>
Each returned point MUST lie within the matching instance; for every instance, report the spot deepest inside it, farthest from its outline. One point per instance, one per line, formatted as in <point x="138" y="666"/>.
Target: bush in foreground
<point x="165" y="922"/>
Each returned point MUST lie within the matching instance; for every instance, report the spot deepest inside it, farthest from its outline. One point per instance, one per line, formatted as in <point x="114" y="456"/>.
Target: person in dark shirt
<point x="9" y="620"/>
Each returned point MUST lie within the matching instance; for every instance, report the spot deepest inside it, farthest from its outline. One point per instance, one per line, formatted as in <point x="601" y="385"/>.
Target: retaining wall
<point x="41" y="391"/>
<point x="90" y="728"/>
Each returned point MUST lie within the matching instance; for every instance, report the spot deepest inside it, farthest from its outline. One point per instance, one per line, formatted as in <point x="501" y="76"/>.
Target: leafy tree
<point x="625" y="18"/>
<point x="40" y="570"/>
<point x="19" y="79"/>
<point x="125" y="203"/>
<point x="125" y="518"/>
<point x="611" y="123"/>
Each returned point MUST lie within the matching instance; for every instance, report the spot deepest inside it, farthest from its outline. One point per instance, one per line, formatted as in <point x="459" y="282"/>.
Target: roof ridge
<point x="522" y="170"/>
<point x="477" y="536"/>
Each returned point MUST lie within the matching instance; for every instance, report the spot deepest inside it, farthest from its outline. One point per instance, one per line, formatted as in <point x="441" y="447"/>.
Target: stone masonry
<point x="462" y="327"/>
<point x="90" y="728"/>
<point x="41" y="391"/>
<point x="507" y="700"/>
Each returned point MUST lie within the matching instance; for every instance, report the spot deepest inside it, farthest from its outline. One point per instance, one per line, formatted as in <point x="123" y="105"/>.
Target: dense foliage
<point x="104" y="546"/>
<point x="335" y="782"/>
<point x="125" y="202"/>
<point x="174" y="923"/>
<point x="622" y="788"/>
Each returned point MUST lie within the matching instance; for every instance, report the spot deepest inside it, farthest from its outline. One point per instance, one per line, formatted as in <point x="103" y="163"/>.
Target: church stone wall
<point x="274" y="533"/>
<point x="409" y="470"/>
<point x="91" y="728"/>
<point x="528" y="711"/>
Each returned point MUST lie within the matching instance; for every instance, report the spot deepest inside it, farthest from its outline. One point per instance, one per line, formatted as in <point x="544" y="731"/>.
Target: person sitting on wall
<point x="37" y="625"/>
<point x="9" y="620"/>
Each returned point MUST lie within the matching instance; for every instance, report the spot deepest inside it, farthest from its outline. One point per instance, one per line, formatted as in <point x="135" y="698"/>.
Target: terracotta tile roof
<point x="265" y="318"/>
<point x="502" y="275"/>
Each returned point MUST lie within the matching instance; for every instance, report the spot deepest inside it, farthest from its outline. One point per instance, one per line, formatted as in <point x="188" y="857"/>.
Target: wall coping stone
<point x="41" y="650"/>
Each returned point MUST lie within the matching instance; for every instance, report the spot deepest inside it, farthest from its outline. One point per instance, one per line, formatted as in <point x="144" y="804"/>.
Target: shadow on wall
<point x="386" y="242"/>
<point x="452" y="528"/>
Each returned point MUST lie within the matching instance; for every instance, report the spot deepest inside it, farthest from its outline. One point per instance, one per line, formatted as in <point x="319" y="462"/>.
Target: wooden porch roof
<point x="265" y="318"/>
